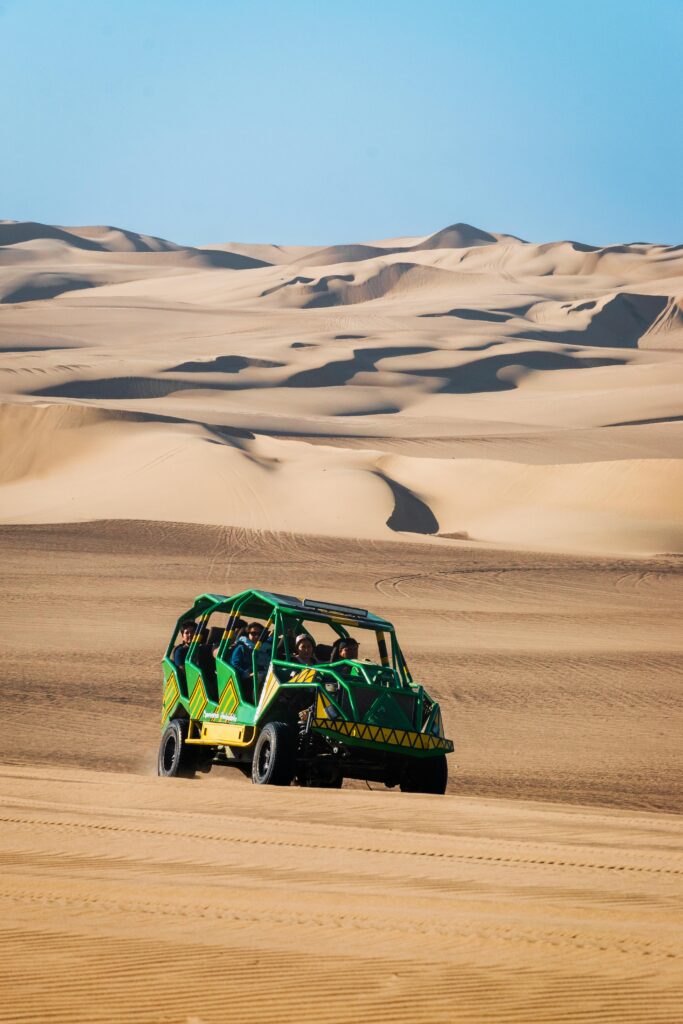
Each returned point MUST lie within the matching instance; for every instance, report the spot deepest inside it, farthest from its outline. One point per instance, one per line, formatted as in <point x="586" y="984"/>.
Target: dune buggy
<point x="282" y="722"/>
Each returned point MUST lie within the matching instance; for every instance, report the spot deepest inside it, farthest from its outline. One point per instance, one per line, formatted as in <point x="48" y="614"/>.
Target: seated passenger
<point x="180" y="650"/>
<point x="241" y="654"/>
<point x="347" y="650"/>
<point x="304" y="651"/>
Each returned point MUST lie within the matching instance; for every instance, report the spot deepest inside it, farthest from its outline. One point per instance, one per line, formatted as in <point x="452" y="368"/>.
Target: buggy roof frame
<point x="308" y="608"/>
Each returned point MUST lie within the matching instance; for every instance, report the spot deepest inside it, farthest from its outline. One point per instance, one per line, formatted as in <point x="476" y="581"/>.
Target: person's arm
<point x="179" y="655"/>
<point x="240" y="659"/>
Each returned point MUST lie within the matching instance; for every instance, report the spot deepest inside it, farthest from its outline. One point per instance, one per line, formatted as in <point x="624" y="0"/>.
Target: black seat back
<point x="206" y="663"/>
<point x="215" y="636"/>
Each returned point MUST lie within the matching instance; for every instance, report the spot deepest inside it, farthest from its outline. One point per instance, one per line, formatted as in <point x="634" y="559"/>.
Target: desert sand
<point x="473" y="435"/>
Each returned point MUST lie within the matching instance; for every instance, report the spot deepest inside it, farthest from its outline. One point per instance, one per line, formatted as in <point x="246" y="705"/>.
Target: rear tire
<point x="274" y="762"/>
<point x="176" y="759"/>
<point x="426" y="776"/>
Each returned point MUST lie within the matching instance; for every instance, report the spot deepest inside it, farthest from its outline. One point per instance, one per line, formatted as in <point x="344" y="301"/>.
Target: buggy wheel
<point x="274" y="761"/>
<point x="426" y="776"/>
<point x="175" y="757"/>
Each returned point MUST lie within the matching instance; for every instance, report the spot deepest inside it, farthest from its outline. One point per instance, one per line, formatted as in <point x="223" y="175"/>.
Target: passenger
<point x="242" y="652"/>
<point x="304" y="652"/>
<point x="180" y="651"/>
<point x="347" y="650"/>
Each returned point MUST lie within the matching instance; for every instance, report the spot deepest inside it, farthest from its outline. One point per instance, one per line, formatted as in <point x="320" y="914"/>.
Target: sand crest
<point x="226" y="366"/>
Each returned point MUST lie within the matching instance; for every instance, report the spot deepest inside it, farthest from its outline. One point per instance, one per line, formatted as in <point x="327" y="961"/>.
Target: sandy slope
<point x="135" y="899"/>
<point x="559" y="678"/>
<point x="544" y="382"/>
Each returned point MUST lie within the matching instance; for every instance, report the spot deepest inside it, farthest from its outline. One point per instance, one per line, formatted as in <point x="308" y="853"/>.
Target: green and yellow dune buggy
<point x="281" y="720"/>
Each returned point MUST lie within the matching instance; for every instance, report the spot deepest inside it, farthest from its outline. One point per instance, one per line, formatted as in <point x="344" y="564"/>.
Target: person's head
<point x="187" y="632"/>
<point x="303" y="646"/>
<point x="254" y="632"/>
<point x="348" y="649"/>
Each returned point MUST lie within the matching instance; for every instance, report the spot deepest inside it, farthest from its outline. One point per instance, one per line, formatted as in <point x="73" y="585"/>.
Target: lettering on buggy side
<point x="215" y="716"/>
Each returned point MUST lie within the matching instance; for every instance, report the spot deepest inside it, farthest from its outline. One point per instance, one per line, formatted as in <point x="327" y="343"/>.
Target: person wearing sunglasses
<point x="241" y="656"/>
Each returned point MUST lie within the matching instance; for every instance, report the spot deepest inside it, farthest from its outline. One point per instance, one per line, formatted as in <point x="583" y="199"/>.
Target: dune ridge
<point x="458" y="333"/>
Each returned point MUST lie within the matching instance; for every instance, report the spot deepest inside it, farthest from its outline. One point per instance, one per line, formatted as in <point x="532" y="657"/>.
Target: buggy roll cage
<point x="276" y="609"/>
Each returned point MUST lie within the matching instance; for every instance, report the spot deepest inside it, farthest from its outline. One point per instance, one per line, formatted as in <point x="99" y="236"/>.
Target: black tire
<point x="176" y="759"/>
<point x="274" y="762"/>
<point x="428" y="775"/>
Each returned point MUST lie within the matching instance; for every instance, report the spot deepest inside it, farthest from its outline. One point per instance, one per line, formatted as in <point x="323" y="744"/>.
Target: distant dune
<point x="433" y="386"/>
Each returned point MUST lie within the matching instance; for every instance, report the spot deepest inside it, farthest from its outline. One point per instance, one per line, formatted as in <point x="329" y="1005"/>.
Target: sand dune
<point x="432" y="337"/>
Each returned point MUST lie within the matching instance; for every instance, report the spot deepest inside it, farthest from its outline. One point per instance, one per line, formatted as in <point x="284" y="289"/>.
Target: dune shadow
<point x="222" y="364"/>
<point x="483" y="374"/>
<point x="48" y="286"/>
<point x="488" y="316"/>
<point x="222" y="432"/>
<point x="122" y="388"/>
<point x="646" y="422"/>
<point x="411" y="514"/>
<point x="621" y="323"/>
<point x="480" y="348"/>
<point x="286" y="284"/>
<point x="340" y="372"/>
<point x="7" y="349"/>
<point x="227" y="260"/>
<point x="14" y="233"/>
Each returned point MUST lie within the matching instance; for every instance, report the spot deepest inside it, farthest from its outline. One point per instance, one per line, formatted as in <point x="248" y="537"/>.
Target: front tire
<point x="426" y="776"/>
<point x="274" y="761"/>
<point x="176" y="759"/>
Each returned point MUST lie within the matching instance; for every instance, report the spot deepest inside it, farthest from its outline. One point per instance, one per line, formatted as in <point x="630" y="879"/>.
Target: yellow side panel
<point x="229" y="734"/>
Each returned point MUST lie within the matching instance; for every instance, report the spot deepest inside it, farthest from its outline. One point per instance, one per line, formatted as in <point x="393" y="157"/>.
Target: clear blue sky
<point x="330" y="121"/>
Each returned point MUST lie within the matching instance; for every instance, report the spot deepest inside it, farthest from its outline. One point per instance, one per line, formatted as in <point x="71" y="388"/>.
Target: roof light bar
<point x="343" y="609"/>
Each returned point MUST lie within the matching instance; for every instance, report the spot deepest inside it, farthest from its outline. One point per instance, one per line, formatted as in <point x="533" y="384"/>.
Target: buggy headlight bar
<point x="343" y="609"/>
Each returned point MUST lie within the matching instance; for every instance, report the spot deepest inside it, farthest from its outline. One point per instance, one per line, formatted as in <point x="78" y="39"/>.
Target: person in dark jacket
<point x="242" y="652"/>
<point x="180" y="651"/>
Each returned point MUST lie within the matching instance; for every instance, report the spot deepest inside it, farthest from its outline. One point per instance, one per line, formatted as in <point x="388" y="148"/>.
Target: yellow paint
<point x="229" y="734"/>
<point x="271" y="685"/>
<point x="228" y="701"/>
<point x="391" y="737"/>
<point x="307" y="675"/>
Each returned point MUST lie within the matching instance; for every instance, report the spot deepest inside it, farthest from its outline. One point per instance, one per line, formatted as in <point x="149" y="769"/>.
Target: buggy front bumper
<point x="395" y="740"/>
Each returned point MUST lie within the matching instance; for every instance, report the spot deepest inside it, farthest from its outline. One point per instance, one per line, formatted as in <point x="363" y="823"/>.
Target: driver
<point x="347" y="649"/>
